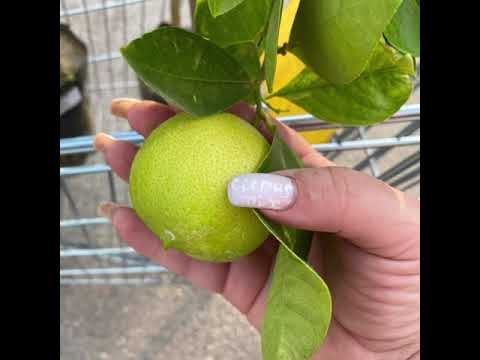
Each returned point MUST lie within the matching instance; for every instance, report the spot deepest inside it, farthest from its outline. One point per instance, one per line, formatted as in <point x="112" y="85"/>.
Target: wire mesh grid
<point x="90" y="252"/>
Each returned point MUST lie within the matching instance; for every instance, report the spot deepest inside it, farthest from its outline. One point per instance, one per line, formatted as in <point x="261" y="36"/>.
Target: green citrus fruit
<point x="178" y="185"/>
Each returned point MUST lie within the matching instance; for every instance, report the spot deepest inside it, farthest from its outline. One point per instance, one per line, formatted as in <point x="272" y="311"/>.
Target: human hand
<point x="366" y="245"/>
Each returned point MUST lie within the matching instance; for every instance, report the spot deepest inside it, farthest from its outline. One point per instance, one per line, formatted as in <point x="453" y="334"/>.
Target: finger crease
<point x="257" y="295"/>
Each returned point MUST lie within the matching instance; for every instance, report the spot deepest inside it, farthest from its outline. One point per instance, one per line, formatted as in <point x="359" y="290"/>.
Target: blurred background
<point x="115" y="304"/>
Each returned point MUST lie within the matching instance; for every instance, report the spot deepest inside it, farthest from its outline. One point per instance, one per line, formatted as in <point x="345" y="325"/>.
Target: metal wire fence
<point x="90" y="253"/>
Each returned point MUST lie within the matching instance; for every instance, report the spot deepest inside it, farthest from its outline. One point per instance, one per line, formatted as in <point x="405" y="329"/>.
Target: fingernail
<point x="106" y="209"/>
<point x="119" y="107"/>
<point x="102" y="140"/>
<point x="262" y="191"/>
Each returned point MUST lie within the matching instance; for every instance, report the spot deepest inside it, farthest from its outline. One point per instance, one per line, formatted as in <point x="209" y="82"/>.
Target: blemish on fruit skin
<point x="229" y="254"/>
<point x="168" y="238"/>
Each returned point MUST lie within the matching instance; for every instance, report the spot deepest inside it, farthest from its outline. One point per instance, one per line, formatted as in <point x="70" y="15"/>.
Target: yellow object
<point x="178" y="185"/>
<point x="288" y="67"/>
<point x="318" y="136"/>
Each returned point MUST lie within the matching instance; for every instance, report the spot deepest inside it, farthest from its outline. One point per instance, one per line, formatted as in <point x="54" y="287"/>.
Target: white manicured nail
<point x="262" y="191"/>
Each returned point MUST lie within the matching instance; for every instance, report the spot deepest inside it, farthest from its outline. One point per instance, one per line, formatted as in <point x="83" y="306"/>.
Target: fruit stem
<point x="262" y="116"/>
<point x="277" y="110"/>
<point x="283" y="49"/>
<point x="260" y="113"/>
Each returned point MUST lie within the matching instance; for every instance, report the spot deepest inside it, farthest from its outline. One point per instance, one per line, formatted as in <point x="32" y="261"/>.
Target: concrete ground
<point x="169" y="319"/>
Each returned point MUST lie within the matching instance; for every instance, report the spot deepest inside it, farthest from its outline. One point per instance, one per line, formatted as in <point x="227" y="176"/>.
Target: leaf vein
<point x="187" y="78"/>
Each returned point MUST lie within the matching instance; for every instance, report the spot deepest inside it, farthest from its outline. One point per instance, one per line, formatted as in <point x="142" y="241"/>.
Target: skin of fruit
<point x="178" y="185"/>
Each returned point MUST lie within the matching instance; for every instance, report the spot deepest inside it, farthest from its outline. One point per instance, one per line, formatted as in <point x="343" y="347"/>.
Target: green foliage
<point x="188" y="70"/>
<point x="352" y="77"/>
<point x="299" y="301"/>
<point x="378" y="93"/>
<point x="220" y="7"/>
<point x="246" y="53"/>
<point x="271" y="40"/>
<point x="404" y="30"/>
<point x="245" y="22"/>
<point x="337" y="38"/>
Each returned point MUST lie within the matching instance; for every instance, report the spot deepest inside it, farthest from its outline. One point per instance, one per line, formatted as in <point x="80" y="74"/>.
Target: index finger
<point x="143" y="116"/>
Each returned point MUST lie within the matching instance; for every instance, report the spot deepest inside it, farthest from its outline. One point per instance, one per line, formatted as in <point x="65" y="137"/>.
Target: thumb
<point x="358" y="207"/>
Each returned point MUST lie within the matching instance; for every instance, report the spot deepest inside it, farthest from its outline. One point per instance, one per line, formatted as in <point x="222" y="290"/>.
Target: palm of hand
<point x="375" y="301"/>
<point x="375" y="298"/>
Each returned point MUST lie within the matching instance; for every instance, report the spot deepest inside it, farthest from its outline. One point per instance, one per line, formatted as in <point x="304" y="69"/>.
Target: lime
<point x="178" y="185"/>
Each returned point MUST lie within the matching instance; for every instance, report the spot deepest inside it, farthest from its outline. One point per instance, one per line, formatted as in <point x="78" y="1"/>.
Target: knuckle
<point x="339" y="194"/>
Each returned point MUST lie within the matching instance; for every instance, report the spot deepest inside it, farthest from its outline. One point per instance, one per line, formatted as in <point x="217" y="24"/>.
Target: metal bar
<point x="108" y="42"/>
<point x="111" y="184"/>
<point x="129" y="259"/>
<point x="100" y="252"/>
<point x="412" y="184"/>
<point x="406" y="177"/>
<point x="344" y="135"/>
<point x="87" y="145"/>
<point x="416" y="86"/>
<point x="66" y="191"/>
<point x="115" y="85"/>
<point x="100" y="281"/>
<point x="113" y="198"/>
<point x="113" y="271"/>
<point x="373" y="164"/>
<point x="407" y="130"/>
<point x="97" y="7"/>
<point x="87" y="141"/>
<point x="84" y="222"/>
<point x="320" y="125"/>
<point x="77" y="151"/>
<point x="125" y="38"/>
<point x="61" y="202"/>
<point x="400" y="167"/>
<point x="64" y="10"/>
<point x="82" y="170"/>
<point x="142" y="29"/>
<point x="407" y="111"/>
<point x="72" y="142"/>
<point x="113" y="195"/>
<point x="105" y="57"/>
<point x="347" y="133"/>
<point x="91" y="44"/>
<point x="369" y="143"/>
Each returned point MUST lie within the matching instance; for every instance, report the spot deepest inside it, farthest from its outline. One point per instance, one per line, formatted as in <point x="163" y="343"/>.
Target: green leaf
<point x="281" y="157"/>
<point x="404" y="30"/>
<point x="245" y="22"/>
<point x="271" y="42"/>
<point x="299" y="310"/>
<point x="219" y="7"/>
<point x="299" y="301"/>
<point x="337" y="38"/>
<point x="247" y="55"/>
<point x="188" y="70"/>
<point x="377" y="94"/>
